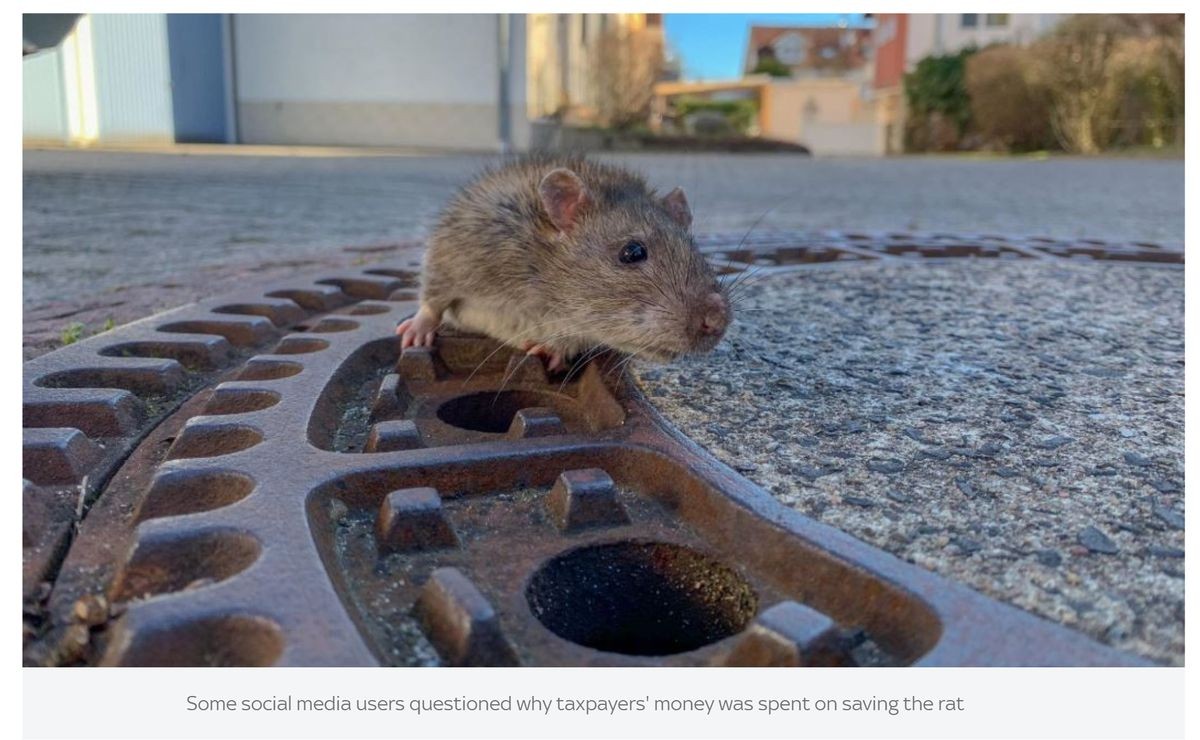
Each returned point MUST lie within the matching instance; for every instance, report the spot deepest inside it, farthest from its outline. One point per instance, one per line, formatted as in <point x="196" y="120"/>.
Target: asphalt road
<point x="96" y="222"/>
<point x="1014" y="425"/>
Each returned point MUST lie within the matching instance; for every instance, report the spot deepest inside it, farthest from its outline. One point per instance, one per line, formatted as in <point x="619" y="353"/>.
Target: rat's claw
<point x="417" y="331"/>
<point x="553" y="358"/>
<point x="404" y="330"/>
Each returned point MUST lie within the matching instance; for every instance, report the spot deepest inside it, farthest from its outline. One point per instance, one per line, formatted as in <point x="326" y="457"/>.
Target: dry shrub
<point x="628" y="63"/>
<point x="1148" y="96"/>
<point x="1009" y="108"/>
<point x="1113" y="79"/>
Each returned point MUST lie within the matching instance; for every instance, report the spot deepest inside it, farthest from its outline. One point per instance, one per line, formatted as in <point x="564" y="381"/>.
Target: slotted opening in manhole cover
<point x="492" y="412"/>
<point x="640" y="598"/>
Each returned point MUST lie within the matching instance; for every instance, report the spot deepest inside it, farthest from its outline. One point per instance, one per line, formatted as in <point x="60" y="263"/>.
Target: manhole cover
<point x="265" y="479"/>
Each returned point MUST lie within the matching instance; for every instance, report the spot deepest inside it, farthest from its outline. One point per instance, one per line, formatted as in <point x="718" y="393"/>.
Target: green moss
<point x="71" y="333"/>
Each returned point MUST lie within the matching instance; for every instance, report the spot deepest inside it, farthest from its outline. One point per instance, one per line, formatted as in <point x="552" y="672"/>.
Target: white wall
<point x="828" y="115"/>
<point x="133" y="77"/>
<point x="43" y="99"/>
<point x="520" y="131"/>
<point x="367" y="58"/>
<point x="375" y="80"/>
<point x="942" y="33"/>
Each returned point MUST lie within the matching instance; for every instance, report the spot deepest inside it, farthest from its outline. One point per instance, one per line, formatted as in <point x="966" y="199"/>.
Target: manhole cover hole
<point x="640" y="598"/>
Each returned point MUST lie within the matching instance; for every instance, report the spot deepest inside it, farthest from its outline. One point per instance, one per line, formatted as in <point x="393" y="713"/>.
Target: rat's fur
<point x="498" y="264"/>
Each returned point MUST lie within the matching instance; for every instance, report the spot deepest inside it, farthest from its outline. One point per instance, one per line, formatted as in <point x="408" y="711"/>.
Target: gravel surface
<point x="1017" y="427"/>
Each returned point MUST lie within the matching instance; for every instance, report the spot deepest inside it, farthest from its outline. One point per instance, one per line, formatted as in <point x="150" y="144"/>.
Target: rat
<point x="559" y="255"/>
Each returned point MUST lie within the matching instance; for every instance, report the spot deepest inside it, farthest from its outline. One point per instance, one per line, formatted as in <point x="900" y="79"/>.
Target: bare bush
<point x="628" y="62"/>
<point x="1113" y="79"/>
<point x="1010" y="108"/>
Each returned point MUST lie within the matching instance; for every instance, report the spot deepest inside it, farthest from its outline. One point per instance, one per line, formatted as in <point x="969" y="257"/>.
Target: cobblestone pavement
<point x="91" y="313"/>
<point x="1017" y="427"/>
<point x="98" y="222"/>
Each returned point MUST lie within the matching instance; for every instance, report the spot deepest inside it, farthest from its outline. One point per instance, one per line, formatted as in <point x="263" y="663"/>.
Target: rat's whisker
<point x="752" y="271"/>
<point x="504" y="345"/>
<point x="615" y="371"/>
<point x="749" y="278"/>
<point x="558" y="335"/>
<point x="580" y="364"/>
<point x="528" y="334"/>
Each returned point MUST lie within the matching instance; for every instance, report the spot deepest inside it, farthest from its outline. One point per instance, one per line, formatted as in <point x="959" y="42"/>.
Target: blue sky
<point x="712" y="46"/>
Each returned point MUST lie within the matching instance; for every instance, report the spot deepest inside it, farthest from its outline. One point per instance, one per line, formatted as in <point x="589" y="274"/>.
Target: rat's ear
<point x="677" y="205"/>
<point x="564" y="196"/>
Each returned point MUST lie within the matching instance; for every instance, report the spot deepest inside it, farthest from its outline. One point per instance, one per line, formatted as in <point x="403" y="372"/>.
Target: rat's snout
<point x="713" y="316"/>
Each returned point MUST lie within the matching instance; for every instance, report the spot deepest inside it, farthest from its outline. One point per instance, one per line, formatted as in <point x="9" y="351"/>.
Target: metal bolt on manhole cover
<point x="266" y="479"/>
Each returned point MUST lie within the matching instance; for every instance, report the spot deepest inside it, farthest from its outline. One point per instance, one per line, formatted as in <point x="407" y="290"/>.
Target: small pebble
<point x="1164" y="486"/>
<point x="1171" y="517"/>
<point x="1137" y="460"/>
<point x="1096" y="541"/>
<point x="898" y="497"/>
<point x="1053" y="443"/>
<point x="890" y="465"/>
<point x="1159" y="551"/>
<point x="967" y="546"/>
<point x="1049" y="558"/>
<point x="858" y="501"/>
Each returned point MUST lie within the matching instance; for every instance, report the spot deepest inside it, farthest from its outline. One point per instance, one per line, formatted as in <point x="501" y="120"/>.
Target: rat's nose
<point x="714" y="315"/>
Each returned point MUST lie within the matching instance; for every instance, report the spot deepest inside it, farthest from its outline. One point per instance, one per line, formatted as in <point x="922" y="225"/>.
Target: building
<point x="844" y="93"/>
<point x="148" y="78"/>
<point x="820" y="103"/>
<point x="562" y="54"/>
<point x="829" y="115"/>
<point x="901" y="40"/>
<point x="463" y="81"/>
<point x="810" y="51"/>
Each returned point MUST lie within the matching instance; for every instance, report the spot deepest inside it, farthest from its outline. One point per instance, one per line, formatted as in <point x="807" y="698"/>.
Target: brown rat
<point x="559" y="254"/>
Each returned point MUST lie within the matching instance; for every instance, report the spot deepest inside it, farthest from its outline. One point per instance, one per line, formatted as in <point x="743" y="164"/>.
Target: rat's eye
<point x="633" y="252"/>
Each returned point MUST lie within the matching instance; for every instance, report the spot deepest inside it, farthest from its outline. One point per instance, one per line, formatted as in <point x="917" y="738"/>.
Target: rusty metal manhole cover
<point x="265" y="479"/>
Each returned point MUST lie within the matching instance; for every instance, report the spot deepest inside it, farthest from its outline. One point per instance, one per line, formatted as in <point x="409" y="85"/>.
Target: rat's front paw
<point x="552" y="357"/>
<point x="419" y="330"/>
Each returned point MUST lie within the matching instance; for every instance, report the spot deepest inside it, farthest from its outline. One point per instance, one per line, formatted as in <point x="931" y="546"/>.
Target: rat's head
<point x="626" y="271"/>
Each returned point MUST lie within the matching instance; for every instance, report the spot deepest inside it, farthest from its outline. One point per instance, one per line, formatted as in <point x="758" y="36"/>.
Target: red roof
<point x="827" y="47"/>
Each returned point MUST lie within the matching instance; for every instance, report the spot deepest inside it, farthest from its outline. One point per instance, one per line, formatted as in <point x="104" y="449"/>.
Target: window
<point x="970" y="20"/>
<point x="791" y="49"/>
<point x="997" y="20"/>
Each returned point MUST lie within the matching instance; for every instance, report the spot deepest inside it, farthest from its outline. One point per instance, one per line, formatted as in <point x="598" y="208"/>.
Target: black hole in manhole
<point x="488" y="411"/>
<point x="640" y="598"/>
